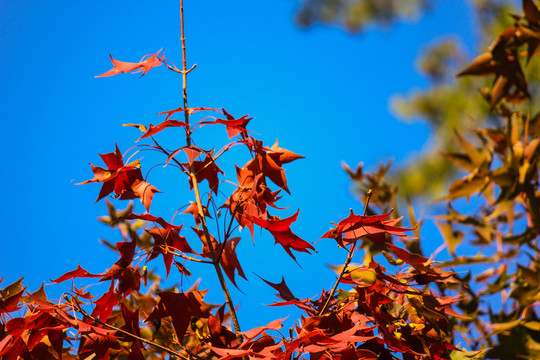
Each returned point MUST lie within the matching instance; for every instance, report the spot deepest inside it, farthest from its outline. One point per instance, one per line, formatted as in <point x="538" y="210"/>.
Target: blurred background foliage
<point x="447" y="103"/>
<point x="481" y="160"/>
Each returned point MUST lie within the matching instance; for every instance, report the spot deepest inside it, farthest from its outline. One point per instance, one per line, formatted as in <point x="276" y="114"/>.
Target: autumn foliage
<point x="415" y="311"/>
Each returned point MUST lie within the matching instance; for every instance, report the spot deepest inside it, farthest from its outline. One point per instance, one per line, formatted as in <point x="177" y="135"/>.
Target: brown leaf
<point x="483" y="64"/>
<point x="531" y="12"/>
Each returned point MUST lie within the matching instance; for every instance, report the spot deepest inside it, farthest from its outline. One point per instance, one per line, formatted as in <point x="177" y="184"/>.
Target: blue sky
<point x="321" y="92"/>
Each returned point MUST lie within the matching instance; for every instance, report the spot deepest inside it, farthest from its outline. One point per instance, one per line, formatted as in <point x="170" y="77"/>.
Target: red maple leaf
<point x="131" y="323"/>
<point x="282" y="156"/>
<point x="77" y="273"/>
<point x="97" y="344"/>
<point x="152" y="130"/>
<point x="129" y="279"/>
<point x="105" y="304"/>
<point x="373" y="228"/>
<point x="220" y="335"/>
<point x="280" y="229"/>
<point x="228" y="260"/>
<point x="181" y="307"/>
<point x="233" y="126"/>
<point x="125" y="180"/>
<point x="284" y="292"/>
<point x="206" y="170"/>
<point x="263" y="163"/>
<point x="9" y="303"/>
<point x="193" y="210"/>
<point x="167" y="239"/>
<point x="269" y="161"/>
<point x="250" y="198"/>
<point x="147" y="62"/>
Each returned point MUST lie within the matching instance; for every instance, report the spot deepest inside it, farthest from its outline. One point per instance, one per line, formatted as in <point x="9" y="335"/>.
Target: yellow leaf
<point x="139" y="126"/>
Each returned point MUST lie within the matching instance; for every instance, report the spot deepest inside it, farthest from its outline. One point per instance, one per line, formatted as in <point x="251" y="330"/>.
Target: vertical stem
<point x="184" y="74"/>
<point x="193" y="178"/>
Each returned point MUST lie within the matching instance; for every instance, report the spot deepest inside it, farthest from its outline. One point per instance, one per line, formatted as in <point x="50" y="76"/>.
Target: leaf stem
<point x="168" y="251"/>
<point x="347" y="262"/>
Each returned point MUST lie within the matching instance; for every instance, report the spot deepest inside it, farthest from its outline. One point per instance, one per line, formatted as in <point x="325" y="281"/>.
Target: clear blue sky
<point x="322" y="92"/>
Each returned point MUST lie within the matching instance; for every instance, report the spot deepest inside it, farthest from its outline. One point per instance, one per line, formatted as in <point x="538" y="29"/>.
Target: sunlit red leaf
<point x="150" y="62"/>
<point x="206" y="170"/>
<point x="10" y="304"/>
<point x="153" y="130"/>
<point x="220" y="335"/>
<point x="280" y="229"/>
<point x="105" y="304"/>
<point x="253" y="333"/>
<point x="77" y="273"/>
<point x="165" y="241"/>
<point x="193" y="210"/>
<point x="282" y="156"/>
<point x="119" y="67"/>
<point x="145" y="192"/>
<point x="125" y="180"/>
<point x="229" y="261"/>
<point x="147" y="62"/>
<point x="233" y="126"/>
<point x="265" y="165"/>
<point x="373" y="228"/>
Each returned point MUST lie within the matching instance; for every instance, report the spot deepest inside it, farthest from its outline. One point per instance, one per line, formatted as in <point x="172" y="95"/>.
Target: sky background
<point x="323" y="93"/>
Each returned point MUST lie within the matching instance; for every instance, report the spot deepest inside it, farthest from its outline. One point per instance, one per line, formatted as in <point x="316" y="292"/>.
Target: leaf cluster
<point x="369" y="313"/>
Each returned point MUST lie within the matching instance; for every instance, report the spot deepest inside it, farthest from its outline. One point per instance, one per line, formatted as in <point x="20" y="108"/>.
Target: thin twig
<point x="181" y="71"/>
<point x="347" y="262"/>
<point x="162" y="149"/>
<point x="168" y="251"/>
<point x="212" y="160"/>
<point x="227" y="233"/>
